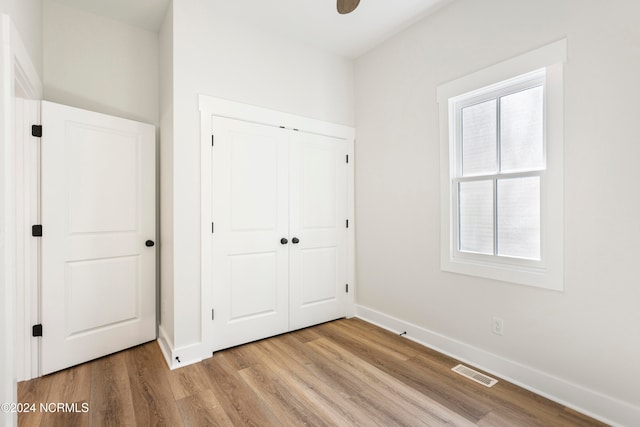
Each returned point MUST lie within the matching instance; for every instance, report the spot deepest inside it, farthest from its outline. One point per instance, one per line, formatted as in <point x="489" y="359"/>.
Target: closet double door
<point x="279" y="242"/>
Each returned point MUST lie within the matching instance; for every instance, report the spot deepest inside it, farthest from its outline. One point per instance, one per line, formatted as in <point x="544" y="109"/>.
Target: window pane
<point x="475" y="206"/>
<point x="479" y="138"/>
<point x="519" y="217"/>
<point x="521" y="131"/>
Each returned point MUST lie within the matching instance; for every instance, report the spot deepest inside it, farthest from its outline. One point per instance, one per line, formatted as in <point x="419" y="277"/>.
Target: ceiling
<point x="313" y="22"/>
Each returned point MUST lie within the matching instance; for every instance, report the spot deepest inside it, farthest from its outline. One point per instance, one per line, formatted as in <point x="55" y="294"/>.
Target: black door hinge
<point x="36" y="230"/>
<point x="36" y="130"/>
<point x="212" y="139"/>
<point x="347" y="158"/>
<point x="346" y="288"/>
<point x="36" y="330"/>
<point x="347" y="223"/>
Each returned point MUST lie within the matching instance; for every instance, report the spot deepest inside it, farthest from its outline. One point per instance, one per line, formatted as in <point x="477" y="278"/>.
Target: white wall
<point x="26" y="16"/>
<point x="99" y="64"/>
<point x="216" y="57"/>
<point x="588" y="335"/>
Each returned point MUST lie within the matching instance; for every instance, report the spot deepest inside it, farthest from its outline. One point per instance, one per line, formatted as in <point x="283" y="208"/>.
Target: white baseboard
<point x="166" y="344"/>
<point x="589" y="402"/>
<point x="178" y="357"/>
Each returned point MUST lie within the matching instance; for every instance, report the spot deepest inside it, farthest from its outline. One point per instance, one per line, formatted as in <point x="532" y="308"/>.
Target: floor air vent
<point x="474" y="375"/>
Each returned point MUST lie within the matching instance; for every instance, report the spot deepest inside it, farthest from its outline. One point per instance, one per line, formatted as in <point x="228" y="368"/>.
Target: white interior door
<point x="250" y="210"/>
<point x="98" y="212"/>
<point x="318" y="214"/>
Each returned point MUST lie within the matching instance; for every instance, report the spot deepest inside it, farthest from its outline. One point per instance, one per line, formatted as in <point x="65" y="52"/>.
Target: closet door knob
<point x="284" y="241"/>
<point x="295" y="240"/>
<point x="149" y="243"/>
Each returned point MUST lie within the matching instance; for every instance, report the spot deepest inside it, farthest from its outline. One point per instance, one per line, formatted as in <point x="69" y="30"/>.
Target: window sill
<point x="539" y="277"/>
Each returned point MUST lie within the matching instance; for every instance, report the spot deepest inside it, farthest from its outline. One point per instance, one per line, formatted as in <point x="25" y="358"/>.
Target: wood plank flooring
<point x="341" y="373"/>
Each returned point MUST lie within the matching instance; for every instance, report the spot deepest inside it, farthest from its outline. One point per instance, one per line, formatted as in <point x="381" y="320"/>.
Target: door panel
<point x="250" y="277"/>
<point x="97" y="204"/>
<point x="318" y="213"/>
<point x="104" y="280"/>
<point x="254" y="181"/>
<point x="319" y="267"/>
<point x="248" y="300"/>
<point x="98" y="210"/>
<point x="316" y="173"/>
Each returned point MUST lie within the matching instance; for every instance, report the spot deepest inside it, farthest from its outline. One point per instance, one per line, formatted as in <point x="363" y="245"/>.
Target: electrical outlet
<point x="498" y="326"/>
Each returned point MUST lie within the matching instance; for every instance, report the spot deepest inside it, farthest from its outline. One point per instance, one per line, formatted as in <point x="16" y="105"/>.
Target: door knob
<point x="284" y="241"/>
<point x="295" y="240"/>
<point x="149" y="243"/>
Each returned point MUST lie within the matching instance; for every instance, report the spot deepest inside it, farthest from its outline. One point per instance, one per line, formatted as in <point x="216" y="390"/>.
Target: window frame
<point x="457" y="104"/>
<point x="544" y="65"/>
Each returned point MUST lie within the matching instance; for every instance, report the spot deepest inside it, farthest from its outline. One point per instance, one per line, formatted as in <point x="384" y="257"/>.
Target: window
<point x="501" y="136"/>
<point x="499" y="157"/>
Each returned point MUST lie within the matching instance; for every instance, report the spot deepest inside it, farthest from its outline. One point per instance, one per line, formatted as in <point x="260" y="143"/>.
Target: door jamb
<point x="20" y="78"/>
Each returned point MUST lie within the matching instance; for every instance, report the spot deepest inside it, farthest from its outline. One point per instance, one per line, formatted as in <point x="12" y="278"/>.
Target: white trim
<point x="26" y="74"/>
<point x="210" y="106"/>
<point x="16" y="70"/>
<point x="8" y="388"/>
<point x="27" y="310"/>
<point x="542" y="57"/>
<point x="206" y="174"/>
<point x="27" y="182"/>
<point x="188" y="355"/>
<point x="250" y="113"/>
<point x="351" y="238"/>
<point x="27" y="150"/>
<point x="584" y="400"/>
<point x="548" y="273"/>
<point x="166" y="344"/>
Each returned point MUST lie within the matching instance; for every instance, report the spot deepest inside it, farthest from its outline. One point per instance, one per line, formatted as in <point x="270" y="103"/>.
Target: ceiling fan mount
<point x="347" y="6"/>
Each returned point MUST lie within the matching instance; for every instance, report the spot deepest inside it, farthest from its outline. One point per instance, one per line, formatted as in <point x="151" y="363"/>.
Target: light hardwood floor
<point x="341" y="373"/>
